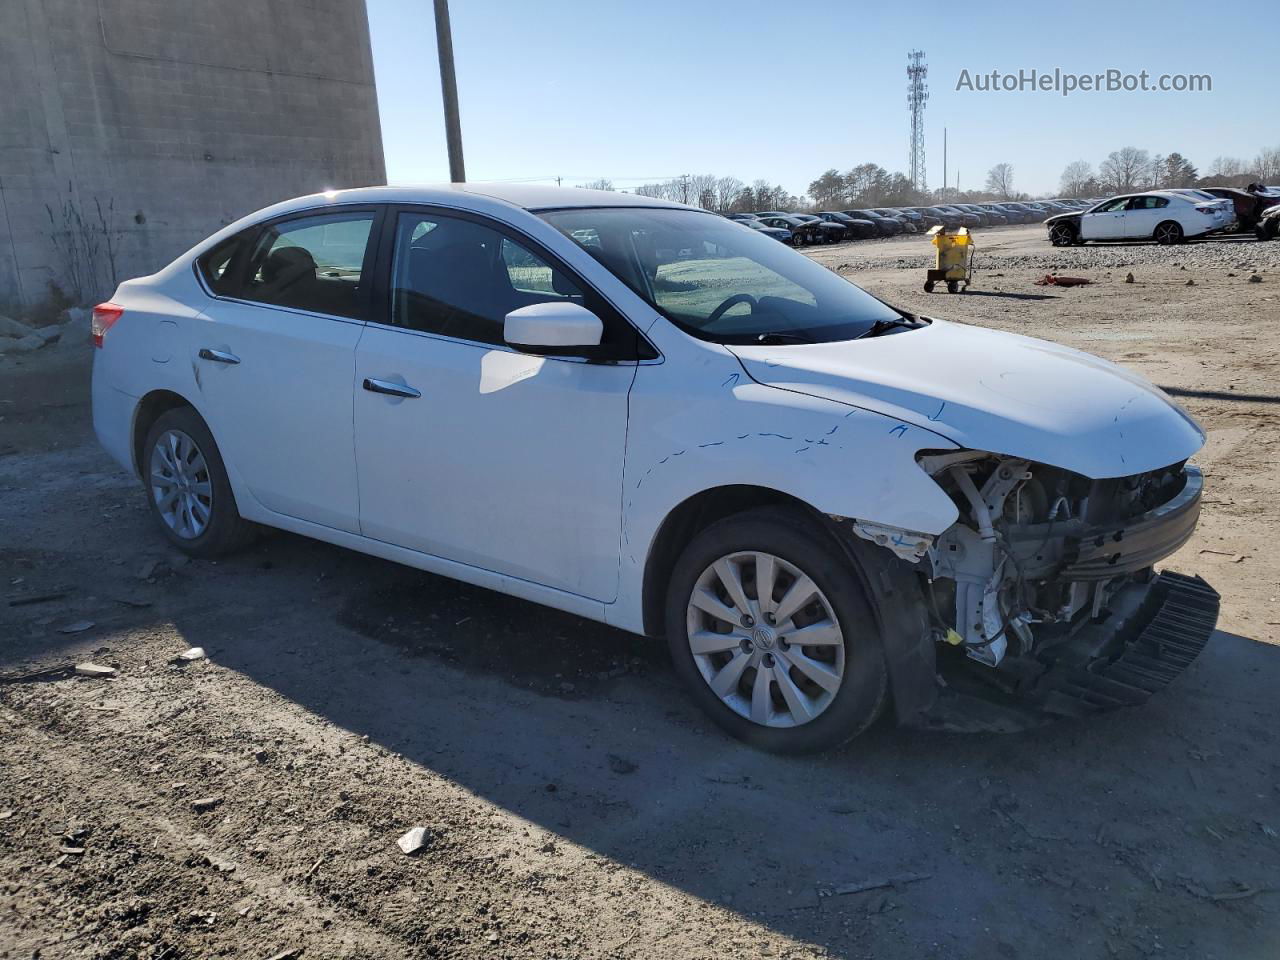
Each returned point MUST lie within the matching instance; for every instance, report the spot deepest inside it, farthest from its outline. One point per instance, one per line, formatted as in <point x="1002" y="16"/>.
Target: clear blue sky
<point x="782" y="91"/>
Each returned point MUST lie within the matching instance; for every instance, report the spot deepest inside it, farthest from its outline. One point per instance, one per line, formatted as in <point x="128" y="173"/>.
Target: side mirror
<point x="556" y="327"/>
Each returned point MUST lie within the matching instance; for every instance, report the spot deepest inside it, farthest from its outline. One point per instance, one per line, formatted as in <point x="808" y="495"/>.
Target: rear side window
<point x="311" y="263"/>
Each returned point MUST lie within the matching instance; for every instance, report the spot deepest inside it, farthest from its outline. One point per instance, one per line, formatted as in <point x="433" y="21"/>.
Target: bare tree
<point x="1077" y="179"/>
<point x="727" y="190"/>
<point x="604" y="183"/>
<point x="700" y="184"/>
<point x="656" y="190"/>
<point x="1228" y="167"/>
<point x="1124" y="169"/>
<point x="1267" y="165"/>
<point x="1000" y="181"/>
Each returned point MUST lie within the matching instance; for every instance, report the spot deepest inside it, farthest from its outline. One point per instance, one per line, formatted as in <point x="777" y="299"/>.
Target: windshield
<point x="718" y="281"/>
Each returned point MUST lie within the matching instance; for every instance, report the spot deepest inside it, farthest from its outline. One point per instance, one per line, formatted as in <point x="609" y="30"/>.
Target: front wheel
<point x="1168" y="233"/>
<point x="770" y="631"/>
<point x="1062" y="235"/>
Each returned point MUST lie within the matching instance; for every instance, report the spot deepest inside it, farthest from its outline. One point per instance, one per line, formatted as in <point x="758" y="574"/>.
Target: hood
<point x="993" y="391"/>
<point x="1065" y="215"/>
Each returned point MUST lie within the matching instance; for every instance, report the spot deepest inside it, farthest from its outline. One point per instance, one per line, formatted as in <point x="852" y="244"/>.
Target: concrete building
<point x="130" y="129"/>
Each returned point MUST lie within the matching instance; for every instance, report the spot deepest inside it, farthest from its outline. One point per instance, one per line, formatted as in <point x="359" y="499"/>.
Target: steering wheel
<point x="733" y="301"/>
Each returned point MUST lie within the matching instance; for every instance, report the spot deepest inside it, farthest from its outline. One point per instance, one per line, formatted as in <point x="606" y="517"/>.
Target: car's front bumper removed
<point x="1158" y="629"/>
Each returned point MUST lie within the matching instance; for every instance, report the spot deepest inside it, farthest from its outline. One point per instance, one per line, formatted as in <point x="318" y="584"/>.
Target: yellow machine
<point x="955" y="259"/>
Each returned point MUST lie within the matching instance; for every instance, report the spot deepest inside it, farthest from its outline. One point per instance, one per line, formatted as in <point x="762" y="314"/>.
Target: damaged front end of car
<point x="1042" y="595"/>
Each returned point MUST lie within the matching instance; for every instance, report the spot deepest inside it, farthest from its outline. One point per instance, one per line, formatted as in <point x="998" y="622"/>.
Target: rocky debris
<point x="154" y="570"/>
<point x="94" y="670"/>
<point x="291" y="954"/>
<point x="415" y="840"/>
<point x="1255" y="278"/>
<point x="18" y="338"/>
<point x="11" y="328"/>
<point x="1128" y="277"/>
<point x="205" y="804"/>
<point x="621" y="764"/>
<point x="195" y="653"/>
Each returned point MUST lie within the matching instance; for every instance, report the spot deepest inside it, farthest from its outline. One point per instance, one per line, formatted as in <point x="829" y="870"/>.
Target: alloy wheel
<point x="180" y="484"/>
<point x="765" y="639"/>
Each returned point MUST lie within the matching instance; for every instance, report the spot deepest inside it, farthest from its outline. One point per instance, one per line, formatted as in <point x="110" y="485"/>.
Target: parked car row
<point x="834" y="226"/>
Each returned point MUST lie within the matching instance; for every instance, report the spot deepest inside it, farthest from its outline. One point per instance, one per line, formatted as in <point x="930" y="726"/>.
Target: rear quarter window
<point x="215" y="265"/>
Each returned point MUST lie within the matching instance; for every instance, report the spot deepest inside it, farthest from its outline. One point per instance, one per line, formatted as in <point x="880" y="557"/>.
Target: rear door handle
<point x="391" y="388"/>
<point x="218" y="356"/>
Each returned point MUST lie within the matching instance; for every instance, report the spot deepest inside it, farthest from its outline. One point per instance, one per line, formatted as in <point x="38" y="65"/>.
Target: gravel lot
<point x="248" y="804"/>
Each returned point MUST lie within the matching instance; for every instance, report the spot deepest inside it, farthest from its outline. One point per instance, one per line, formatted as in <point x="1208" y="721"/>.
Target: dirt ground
<point x="577" y="805"/>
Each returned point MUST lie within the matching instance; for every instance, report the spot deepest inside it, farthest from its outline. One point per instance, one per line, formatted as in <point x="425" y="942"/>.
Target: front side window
<point x="310" y="263"/>
<point x="1115" y="206"/>
<point x="460" y="279"/>
<point x="720" y="282"/>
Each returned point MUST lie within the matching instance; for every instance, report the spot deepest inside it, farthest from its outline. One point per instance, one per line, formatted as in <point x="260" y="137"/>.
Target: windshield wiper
<point x="881" y="326"/>
<point x="783" y="336"/>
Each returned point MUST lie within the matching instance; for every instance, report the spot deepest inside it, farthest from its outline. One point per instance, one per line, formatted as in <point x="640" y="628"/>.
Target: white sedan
<point x="1166" y="216"/>
<point x="655" y="417"/>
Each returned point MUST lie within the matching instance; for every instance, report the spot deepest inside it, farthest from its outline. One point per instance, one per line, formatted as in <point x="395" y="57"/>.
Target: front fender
<point x="689" y="435"/>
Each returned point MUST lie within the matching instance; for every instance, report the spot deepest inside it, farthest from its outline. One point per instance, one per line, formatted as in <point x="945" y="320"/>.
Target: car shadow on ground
<point x="582" y="730"/>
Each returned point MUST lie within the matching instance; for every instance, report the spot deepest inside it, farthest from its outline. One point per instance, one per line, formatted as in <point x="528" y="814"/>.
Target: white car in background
<point x="1166" y="216"/>
<point x="649" y="415"/>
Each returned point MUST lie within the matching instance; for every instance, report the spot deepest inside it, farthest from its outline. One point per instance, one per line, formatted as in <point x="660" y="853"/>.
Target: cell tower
<point x="917" y="96"/>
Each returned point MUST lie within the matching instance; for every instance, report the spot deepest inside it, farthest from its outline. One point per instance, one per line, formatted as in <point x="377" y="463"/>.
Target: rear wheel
<point x="187" y="487"/>
<point x="770" y="630"/>
<point x="1168" y="233"/>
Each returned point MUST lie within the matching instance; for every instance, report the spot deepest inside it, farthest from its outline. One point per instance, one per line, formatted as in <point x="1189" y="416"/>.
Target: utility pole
<point x="449" y="90"/>
<point x="944" y="161"/>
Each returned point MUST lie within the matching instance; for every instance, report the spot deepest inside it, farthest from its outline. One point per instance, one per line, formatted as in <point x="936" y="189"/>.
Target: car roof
<point x="478" y="196"/>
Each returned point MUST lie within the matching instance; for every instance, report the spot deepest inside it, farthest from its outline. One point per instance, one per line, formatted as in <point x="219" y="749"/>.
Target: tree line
<point x="1131" y="169"/>
<point x="867" y="185"/>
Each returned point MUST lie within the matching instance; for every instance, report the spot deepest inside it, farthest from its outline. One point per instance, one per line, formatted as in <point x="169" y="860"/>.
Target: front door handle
<point x="218" y="356"/>
<point x="391" y="389"/>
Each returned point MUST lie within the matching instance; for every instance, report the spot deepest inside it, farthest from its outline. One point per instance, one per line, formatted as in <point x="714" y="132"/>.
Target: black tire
<point x="953" y="286"/>
<point x="1062" y="235"/>
<point x="1168" y="233"/>
<point x="226" y="531"/>
<point x="928" y="286"/>
<point x="797" y="539"/>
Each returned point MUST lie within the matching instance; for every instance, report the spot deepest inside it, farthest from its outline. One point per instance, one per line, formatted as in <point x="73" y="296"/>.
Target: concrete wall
<point x="130" y="129"/>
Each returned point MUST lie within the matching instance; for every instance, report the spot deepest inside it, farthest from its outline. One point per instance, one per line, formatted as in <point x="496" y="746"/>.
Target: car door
<point x="274" y="354"/>
<point x="470" y="450"/>
<point x="1142" y="215"/>
<point x="1106" y="222"/>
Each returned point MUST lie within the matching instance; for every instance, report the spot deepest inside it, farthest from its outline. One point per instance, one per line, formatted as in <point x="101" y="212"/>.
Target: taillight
<point x="105" y="316"/>
<point x="1208" y="211"/>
